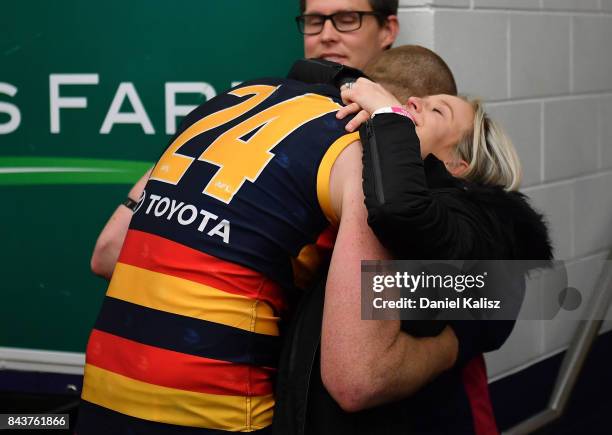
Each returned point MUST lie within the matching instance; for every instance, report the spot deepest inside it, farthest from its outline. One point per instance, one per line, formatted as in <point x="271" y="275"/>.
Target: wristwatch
<point x="130" y="203"/>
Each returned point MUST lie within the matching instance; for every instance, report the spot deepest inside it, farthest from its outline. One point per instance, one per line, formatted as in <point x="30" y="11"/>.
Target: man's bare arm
<point x="365" y="363"/>
<point x="110" y="240"/>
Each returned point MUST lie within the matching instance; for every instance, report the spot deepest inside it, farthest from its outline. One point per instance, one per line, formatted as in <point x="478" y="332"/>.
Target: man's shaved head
<point x="412" y="70"/>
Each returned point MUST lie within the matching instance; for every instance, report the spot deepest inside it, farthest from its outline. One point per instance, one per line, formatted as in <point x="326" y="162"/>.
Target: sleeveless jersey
<point x="229" y="220"/>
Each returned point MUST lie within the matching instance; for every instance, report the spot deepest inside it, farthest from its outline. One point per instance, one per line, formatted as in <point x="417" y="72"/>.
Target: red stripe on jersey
<point x="327" y="238"/>
<point x="176" y="370"/>
<point x="474" y="376"/>
<point x="161" y="255"/>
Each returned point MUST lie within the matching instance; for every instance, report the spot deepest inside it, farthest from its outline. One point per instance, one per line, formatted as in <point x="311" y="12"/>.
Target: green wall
<point x="58" y="188"/>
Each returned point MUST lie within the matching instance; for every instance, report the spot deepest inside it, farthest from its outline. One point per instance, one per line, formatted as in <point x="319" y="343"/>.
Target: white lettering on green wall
<point x="57" y="102"/>
<point x="10" y="109"/>
<point x="138" y="116"/>
<point x="173" y="110"/>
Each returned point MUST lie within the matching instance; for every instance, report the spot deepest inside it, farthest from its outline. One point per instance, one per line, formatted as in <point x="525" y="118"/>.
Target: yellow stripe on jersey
<point x="168" y="405"/>
<point x="306" y="265"/>
<point x="187" y="298"/>
<point x="324" y="174"/>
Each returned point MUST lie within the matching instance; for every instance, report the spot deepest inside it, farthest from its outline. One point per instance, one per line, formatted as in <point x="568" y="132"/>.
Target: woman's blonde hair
<point x="489" y="152"/>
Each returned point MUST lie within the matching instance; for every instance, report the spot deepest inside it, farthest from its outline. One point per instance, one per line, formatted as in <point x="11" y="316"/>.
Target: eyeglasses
<point x="345" y="21"/>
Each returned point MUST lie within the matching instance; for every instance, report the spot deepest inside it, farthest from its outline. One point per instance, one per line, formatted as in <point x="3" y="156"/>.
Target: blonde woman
<point x="440" y="182"/>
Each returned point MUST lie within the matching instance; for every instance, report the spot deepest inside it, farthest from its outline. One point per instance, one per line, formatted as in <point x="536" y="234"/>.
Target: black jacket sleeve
<point x="416" y="222"/>
<point x="409" y="218"/>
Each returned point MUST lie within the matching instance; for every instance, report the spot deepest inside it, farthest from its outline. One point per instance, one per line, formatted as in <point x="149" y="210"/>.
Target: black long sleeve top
<point x="420" y="211"/>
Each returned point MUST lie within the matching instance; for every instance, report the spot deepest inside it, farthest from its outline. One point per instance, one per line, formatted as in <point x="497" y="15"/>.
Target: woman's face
<point x="441" y="121"/>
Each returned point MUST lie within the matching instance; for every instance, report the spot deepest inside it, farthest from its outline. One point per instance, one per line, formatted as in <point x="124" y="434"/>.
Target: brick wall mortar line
<point x="570" y="180"/>
<point x="509" y="56"/>
<point x="550" y="98"/>
<point x="600" y="139"/>
<point x="542" y="143"/>
<point x="571" y="55"/>
<point x="572" y="219"/>
<point x="537" y="12"/>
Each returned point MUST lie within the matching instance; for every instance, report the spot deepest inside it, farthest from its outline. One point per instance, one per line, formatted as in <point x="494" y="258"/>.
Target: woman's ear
<point x="457" y="167"/>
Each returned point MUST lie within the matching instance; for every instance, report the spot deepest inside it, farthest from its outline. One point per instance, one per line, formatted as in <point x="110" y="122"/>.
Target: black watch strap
<point x="130" y="203"/>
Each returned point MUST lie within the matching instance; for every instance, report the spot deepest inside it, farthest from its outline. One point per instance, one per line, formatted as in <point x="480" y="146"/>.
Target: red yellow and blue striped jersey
<point x="188" y="334"/>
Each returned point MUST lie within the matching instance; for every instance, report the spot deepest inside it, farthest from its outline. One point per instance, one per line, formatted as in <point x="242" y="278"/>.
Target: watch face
<point x="130" y="203"/>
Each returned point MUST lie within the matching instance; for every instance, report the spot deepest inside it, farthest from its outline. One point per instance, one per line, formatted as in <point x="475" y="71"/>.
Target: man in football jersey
<point x="233" y="212"/>
<point x="351" y="32"/>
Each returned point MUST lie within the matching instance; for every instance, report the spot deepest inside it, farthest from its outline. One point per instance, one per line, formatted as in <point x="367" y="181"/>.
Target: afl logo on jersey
<point x="141" y="200"/>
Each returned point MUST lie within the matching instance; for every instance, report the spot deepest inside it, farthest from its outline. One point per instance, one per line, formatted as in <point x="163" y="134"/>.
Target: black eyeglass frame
<point x="299" y="20"/>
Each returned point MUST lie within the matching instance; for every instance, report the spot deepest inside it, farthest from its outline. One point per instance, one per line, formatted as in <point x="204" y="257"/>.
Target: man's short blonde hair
<point x="412" y="70"/>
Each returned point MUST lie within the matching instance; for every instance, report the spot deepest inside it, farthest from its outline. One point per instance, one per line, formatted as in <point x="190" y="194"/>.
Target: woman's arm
<point x="402" y="210"/>
<point x="404" y="213"/>
<point x="413" y="222"/>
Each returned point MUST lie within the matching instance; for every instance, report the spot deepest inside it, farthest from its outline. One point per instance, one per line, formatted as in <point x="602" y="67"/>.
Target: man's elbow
<point x="350" y="390"/>
<point x="99" y="266"/>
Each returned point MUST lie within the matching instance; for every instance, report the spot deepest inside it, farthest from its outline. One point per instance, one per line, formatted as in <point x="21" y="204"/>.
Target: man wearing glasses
<point x="350" y="32"/>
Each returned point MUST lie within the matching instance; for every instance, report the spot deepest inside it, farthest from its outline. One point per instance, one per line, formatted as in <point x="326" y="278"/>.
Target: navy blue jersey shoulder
<point x="249" y="193"/>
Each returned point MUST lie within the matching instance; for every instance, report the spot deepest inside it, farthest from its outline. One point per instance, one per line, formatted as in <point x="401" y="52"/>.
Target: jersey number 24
<point x="240" y="160"/>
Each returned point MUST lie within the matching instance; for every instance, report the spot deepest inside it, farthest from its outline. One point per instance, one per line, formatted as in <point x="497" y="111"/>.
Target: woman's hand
<point x="363" y="97"/>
